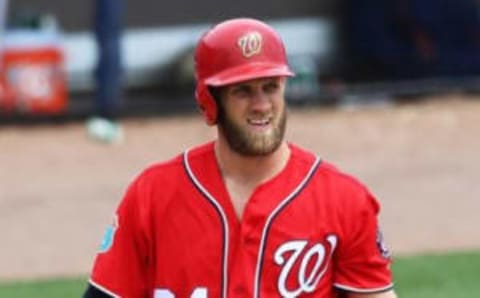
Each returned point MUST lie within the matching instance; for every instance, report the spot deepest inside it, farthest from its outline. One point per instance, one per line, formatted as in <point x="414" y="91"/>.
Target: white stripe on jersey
<point x="223" y="216"/>
<point x="269" y="221"/>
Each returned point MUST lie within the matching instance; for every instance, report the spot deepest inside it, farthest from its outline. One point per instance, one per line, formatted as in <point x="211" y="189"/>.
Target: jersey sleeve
<point x="120" y="265"/>
<point x="362" y="260"/>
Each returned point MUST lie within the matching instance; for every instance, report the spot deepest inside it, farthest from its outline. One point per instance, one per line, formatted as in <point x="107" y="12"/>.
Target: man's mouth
<point x="259" y="122"/>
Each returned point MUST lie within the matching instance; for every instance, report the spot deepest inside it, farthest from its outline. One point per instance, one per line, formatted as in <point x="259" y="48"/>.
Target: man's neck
<point x="252" y="170"/>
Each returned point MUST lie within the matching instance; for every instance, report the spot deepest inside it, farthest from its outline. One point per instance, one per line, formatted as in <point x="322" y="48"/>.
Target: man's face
<point x="252" y="115"/>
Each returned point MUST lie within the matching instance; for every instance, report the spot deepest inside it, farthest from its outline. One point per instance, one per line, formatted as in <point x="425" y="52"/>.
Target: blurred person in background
<point x="3" y="22"/>
<point x="109" y="73"/>
<point x="409" y="39"/>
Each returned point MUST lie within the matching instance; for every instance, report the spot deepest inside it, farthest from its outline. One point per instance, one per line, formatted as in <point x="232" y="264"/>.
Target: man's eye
<point x="240" y="91"/>
<point x="271" y="87"/>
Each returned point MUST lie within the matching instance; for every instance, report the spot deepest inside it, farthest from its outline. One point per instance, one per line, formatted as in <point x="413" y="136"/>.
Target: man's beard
<point x="248" y="143"/>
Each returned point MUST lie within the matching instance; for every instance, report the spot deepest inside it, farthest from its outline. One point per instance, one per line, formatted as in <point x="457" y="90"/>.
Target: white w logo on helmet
<point x="250" y="44"/>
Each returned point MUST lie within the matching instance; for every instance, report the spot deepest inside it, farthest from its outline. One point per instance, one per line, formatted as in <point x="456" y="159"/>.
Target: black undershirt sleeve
<point x="93" y="292"/>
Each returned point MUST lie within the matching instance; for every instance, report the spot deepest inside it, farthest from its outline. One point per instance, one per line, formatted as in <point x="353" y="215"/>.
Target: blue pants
<point x="109" y="71"/>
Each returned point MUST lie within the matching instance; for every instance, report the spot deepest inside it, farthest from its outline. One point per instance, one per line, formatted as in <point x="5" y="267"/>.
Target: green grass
<point x="455" y="275"/>
<point x="54" y="288"/>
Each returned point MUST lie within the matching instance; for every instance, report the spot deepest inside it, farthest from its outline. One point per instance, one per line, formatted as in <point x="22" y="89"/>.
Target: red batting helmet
<point x="234" y="51"/>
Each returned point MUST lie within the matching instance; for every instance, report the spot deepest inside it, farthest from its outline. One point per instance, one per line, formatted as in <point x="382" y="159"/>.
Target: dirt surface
<point x="58" y="188"/>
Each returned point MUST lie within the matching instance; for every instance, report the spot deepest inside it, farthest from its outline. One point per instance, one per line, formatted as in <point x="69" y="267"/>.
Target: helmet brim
<point x="248" y="72"/>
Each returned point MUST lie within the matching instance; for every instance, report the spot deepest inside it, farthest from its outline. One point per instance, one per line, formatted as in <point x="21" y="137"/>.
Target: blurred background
<point x="91" y="92"/>
<point x="341" y="50"/>
<point x="157" y="41"/>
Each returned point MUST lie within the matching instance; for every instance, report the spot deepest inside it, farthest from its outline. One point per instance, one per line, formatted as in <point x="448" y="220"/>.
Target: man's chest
<point x="202" y="250"/>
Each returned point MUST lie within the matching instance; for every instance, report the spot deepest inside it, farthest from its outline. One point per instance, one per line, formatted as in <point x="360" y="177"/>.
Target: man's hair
<point x="216" y="93"/>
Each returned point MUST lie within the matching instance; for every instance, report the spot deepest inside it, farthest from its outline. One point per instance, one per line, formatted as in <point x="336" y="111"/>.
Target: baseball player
<point x="248" y="214"/>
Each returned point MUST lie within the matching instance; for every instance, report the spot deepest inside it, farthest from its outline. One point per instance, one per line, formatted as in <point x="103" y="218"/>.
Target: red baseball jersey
<point x="304" y="233"/>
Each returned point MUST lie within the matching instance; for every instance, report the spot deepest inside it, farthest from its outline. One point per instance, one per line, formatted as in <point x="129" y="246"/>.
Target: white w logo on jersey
<point x="309" y="274"/>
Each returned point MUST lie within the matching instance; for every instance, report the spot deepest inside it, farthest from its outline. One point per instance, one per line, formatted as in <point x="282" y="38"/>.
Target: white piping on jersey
<point x="358" y="290"/>
<point x="269" y="221"/>
<point x="223" y="216"/>
<point x="103" y="289"/>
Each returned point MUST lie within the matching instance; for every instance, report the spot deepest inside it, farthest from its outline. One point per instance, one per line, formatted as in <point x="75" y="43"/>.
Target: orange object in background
<point x="34" y="79"/>
<point x="6" y="100"/>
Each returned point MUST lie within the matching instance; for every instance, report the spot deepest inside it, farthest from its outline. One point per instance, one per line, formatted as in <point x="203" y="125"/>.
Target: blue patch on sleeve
<point x="108" y="237"/>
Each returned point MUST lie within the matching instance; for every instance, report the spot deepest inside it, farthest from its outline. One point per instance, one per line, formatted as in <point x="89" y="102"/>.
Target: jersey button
<point x="247" y="241"/>
<point x="239" y="290"/>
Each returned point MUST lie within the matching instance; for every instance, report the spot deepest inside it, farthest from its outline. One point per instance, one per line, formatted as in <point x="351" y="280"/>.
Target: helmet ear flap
<point x="206" y="103"/>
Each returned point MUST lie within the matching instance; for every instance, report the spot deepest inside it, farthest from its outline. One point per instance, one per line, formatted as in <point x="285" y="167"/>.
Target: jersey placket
<point x="244" y="250"/>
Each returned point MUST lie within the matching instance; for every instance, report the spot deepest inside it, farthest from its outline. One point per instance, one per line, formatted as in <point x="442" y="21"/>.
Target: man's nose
<point x="260" y="101"/>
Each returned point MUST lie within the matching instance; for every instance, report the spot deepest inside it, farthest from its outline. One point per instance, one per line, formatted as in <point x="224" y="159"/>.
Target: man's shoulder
<point x="326" y="169"/>
<point x="348" y="190"/>
<point x="171" y="168"/>
<point x="340" y="177"/>
<point x="160" y="168"/>
<point x="328" y="172"/>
